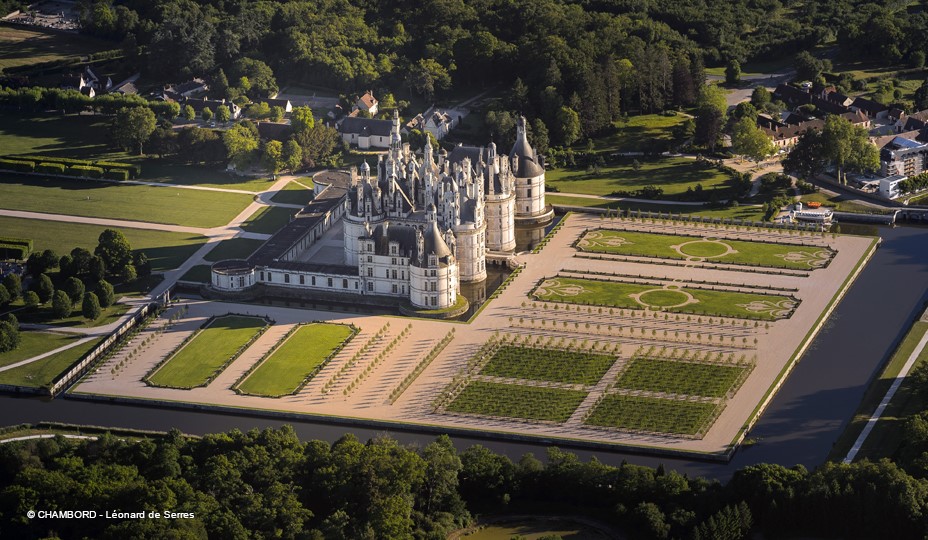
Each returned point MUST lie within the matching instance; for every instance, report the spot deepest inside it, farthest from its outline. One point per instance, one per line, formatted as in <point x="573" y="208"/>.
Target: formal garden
<point x="553" y="365"/>
<point x="672" y="298"/>
<point x="203" y="355"/>
<point x="670" y="246"/>
<point x="295" y="359"/>
<point x="683" y="377"/>
<point x="517" y="401"/>
<point x="655" y="415"/>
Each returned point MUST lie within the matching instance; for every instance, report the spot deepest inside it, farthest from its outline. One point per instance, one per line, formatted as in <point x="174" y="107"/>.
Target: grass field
<point x="744" y="212"/>
<point x="683" y="300"/>
<point x="155" y="170"/>
<point x="654" y="415"/>
<point x="233" y="248"/>
<point x="43" y="315"/>
<point x="199" y="273"/>
<point x="516" y="401"/>
<point x="21" y="46"/>
<point x="297" y="358"/>
<point x="42" y="372"/>
<point x="672" y="174"/>
<point x="294" y="193"/>
<point x="839" y="203"/>
<point x="165" y="250"/>
<point x="75" y="136"/>
<point x="268" y="220"/>
<point x="714" y="250"/>
<point x="34" y="344"/>
<point x="120" y="201"/>
<point x="886" y="437"/>
<point x="639" y="133"/>
<point x="208" y="352"/>
<point x="548" y="365"/>
<point x="677" y="377"/>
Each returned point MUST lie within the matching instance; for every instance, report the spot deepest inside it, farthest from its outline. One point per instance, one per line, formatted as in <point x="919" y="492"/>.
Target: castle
<point x="412" y="229"/>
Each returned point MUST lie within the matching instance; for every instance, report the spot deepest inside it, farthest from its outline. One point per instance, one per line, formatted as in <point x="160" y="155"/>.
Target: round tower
<point x="363" y="211"/>
<point x="529" y="172"/>
<point x="500" y="203"/>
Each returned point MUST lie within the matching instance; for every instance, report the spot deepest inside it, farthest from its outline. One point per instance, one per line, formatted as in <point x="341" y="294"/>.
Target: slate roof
<point x="366" y="126"/>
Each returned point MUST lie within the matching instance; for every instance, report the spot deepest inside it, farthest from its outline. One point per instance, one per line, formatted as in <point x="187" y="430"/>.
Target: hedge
<point x="84" y="171"/>
<point x="116" y="174"/>
<point x="17" y="165"/>
<point x="15" y="248"/>
<point x="133" y="169"/>
<point x="51" y="168"/>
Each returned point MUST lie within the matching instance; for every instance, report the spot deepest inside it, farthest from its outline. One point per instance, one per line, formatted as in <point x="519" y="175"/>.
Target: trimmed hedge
<point x="17" y="165"/>
<point x="51" y="168"/>
<point x="86" y="171"/>
<point x="116" y="174"/>
<point x="15" y="248"/>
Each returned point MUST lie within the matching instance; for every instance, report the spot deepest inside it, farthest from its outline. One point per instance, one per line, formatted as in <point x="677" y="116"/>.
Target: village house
<point x="367" y="103"/>
<point x="365" y="133"/>
<point x="435" y="121"/>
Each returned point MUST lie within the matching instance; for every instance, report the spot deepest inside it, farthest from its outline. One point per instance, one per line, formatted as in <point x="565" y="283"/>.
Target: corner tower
<point x="529" y="172"/>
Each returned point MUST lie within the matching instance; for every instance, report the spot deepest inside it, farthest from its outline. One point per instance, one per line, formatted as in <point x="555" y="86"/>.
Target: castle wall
<point x="501" y="234"/>
<point x="434" y="288"/>
<point x="530" y="196"/>
<point x="471" y="252"/>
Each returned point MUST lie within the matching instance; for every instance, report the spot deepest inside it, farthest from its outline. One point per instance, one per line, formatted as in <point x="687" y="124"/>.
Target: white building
<point x="413" y="228"/>
<point x="889" y="186"/>
<point x="366" y="133"/>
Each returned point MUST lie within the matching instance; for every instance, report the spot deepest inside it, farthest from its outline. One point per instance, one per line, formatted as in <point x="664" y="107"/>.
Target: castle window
<point x="386" y="273"/>
<point x="370" y="272"/>
<point x="529" y="194"/>
<point x="394" y="288"/>
<point x="394" y="274"/>
<point x="370" y="259"/>
<point x="314" y="280"/>
<point x="356" y="285"/>
<point x="432" y="286"/>
<point x="286" y="278"/>
<point x="370" y="286"/>
<point x="241" y="281"/>
<point x="403" y="274"/>
<point x="262" y="276"/>
<point x="270" y="277"/>
<point x="434" y="301"/>
<point x="330" y="282"/>
<point x="344" y="284"/>
<point x="302" y="279"/>
<point x="393" y="260"/>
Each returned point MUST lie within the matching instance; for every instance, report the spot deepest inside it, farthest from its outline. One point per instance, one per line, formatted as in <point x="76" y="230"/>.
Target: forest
<point x="269" y="484"/>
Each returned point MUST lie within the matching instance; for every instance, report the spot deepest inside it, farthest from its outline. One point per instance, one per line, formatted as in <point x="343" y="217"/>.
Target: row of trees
<point x="839" y="144"/>
<point x="269" y="484"/>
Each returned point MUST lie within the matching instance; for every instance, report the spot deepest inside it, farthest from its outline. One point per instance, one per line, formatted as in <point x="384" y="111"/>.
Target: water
<point x="799" y="427"/>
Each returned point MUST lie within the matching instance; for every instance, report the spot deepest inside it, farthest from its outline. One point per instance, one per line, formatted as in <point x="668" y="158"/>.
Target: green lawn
<point x="43" y="315"/>
<point x="654" y="415"/>
<point x="745" y="212"/>
<point x="618" y="294"/>
<point x="208" y="352"/>
<point x="711" y="249"/>
<point x="678" y="377"/>
<point x="548" y="365"/>
<point x="155" y="170"/>
<point x="233" y="248"/>
<point x="34" y="344"/>
<point x="672" y="174"/>
<point x="294" y="193"/>
<point x="300" y="356"/>
<point x="199" y="273"/>
<point x="165" y="250"/>
<point x="120" y="201"/>
<point x="839" y="203"/>
<point x="886" y="437"/>
<point x="517" y="401"/>
<point x="20" y="46"/>
<point x="74" y="136"/>
<point x="43" y="372"/>
<point x="638" y="134"/>
<point x="268" y="220"/>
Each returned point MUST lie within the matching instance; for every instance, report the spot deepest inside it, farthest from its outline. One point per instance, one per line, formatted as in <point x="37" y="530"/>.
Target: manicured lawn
<point x="672" y="174"/>
<point x="199" y="273"/>
<point x="839" y="203"/>
<point x="678" y="377"/>
<point x="43" y="372"/>
<point x="154" y="170"/>
<point x="233" y="248"/>
<point x="21" y="46"/>
<point x="548" y="365"/>
<point x="655" y="415"/>
<point x="638" y="134"/>
<point x="34" y="344"/>
<point x="120" y="201"/>
<point x="165" y="250"/>
<point x="75" y="136"/>
<point x="208" y="352"/>
<point x="886" y="437"/>
<point x="743" y="212"/>
<point x="714" y="250"/>
<point x="294" y="193"/>
<point x="618" y="294"/>
<point x="517" y="401"/>
<point x="268" y="220"/>
<point x="43" y="315"/>
<point x="299" y="357"/>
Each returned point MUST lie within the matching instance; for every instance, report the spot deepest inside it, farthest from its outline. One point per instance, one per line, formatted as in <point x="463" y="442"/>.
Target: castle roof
<point x="526" y="164"/>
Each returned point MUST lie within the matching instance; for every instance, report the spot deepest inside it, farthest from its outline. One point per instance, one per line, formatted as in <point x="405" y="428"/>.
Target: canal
<point x="799" y="427"/>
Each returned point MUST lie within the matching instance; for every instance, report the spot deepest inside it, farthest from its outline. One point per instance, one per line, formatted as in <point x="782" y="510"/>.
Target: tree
<point x="846" y="145"/>
<point x="90" y="307"/>
<point x="188" y="113"/>
<point x="43" y="287"/>
<point x="427" y="76"/>
<point x="272" y="156"/>
<point x="539" y="136"/>
<point x="61" y="305"/>
<point x="744" y="110"/>
<point x="114" y="249"/>
<point x="141" y="263"/>
<point x="317" y="144"/>
<point x="292" y="155"/>
<point x="750" y="141"/>
<point x="128" y="274"/>
<point x="9" y="333"/>
<point x="708" y="129"/>
<point x="96" y="268"/>
<point x="808" y="67"/>
<point x="31" y="299"/>
<point x="4" y="296"/>
<point x="567" y="126"/>
<point x="301" y="119"/>
<point x="13" y="285"/>
<point x="206" y="114"/>
<point x="74" y="287"/>
<point x="760" y="97"/>
<point x="733" y="72"/>
<point x="921" y="96"/>
<point x="105" y="293"/>
<point x="133" y="126"/>
<point x="260" y="84"/>
<point x="241" y="144"/>
<point x="223" y="114"/>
